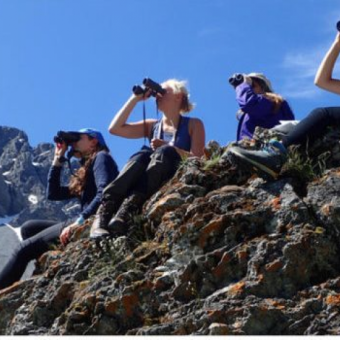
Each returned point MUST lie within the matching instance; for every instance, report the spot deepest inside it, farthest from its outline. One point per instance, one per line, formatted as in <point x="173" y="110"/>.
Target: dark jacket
<point x="102" y="171"/>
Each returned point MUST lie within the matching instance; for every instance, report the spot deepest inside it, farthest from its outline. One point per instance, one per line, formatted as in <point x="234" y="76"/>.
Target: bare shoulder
<point x="195" y="122"/>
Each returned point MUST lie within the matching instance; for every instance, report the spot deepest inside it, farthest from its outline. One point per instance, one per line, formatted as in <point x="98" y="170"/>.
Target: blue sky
<point x="68" y="64"/>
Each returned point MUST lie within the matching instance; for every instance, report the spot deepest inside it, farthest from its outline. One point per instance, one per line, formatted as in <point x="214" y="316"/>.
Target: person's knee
<point x="166" y="152"/>
<point x="142" y="157"/>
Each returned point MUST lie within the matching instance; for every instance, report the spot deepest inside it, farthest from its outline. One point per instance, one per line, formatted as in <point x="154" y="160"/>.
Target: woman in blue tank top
<point x="172" y="137"/>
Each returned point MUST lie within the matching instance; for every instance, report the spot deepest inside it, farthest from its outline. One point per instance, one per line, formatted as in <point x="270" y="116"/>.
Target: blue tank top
<point x="181" y="139"/>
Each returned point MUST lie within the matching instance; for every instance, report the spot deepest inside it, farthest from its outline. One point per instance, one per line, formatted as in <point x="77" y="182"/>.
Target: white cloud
<point x="301" y="66"/>
<point x="300" y="69"/>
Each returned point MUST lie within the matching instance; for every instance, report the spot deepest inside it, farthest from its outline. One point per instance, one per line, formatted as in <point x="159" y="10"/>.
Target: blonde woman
<point x="172" y="137"/>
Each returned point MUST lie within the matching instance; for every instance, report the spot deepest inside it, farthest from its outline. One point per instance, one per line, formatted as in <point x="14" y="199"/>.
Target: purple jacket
<point x="258" y="111"/>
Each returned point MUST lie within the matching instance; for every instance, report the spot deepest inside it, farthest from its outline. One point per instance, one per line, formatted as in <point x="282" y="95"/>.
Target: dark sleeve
<point x="105" y="170"/>
<point x="287" y="111"/>
<point x="56" y="192"/>
<point x="251" y="103"/>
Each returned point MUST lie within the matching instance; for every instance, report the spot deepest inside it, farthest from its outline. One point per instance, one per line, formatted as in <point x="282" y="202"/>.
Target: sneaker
<point x="269" y="160"/>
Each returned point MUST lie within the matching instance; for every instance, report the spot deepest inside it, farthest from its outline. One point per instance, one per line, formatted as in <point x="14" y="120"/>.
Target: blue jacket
<point x="258" y="111"/>
<point x="102" y="171"/>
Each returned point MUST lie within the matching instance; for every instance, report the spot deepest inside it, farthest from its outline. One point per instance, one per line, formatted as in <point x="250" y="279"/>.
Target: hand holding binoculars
<point x="148" y="85"/>
<point x="236" y="79"/>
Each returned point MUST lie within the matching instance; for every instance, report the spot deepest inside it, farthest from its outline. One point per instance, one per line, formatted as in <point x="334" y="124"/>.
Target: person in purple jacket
<point x="97" y="170"/>
<point x="259" y="105"/>
<point x="270" y="159"/>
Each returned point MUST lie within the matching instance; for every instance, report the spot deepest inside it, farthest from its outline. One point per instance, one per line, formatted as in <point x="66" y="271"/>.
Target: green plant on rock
<point x="140" y="230"/>
<point x="299" y="165"/>
<point x="184" y="163"/>
<point x="108" y="253"/>
<point x="302" y="166"/>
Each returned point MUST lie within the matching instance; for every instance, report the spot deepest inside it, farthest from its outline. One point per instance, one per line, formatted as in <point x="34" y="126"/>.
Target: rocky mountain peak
<point x="216" y="251"/>
<point x="23" y="178"/>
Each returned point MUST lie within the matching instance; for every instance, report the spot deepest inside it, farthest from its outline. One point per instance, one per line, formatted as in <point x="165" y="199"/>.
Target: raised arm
<point x="120" y="127"/>
<point x="323" y="77"/>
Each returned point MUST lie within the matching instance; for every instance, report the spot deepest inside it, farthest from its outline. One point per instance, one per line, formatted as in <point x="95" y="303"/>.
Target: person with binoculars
<point x="271" y="158"/>
<point x="259" y="105"/>
<point x="97" y="170"/>
<point x="172" y="138"/>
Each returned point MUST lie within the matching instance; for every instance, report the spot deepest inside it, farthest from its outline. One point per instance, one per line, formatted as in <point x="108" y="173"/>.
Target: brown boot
<point x="131" y="206"/>
<point x="101" y="221"/>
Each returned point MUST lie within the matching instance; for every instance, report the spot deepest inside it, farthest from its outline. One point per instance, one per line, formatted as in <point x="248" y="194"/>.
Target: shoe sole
<point x="258" y="166"/>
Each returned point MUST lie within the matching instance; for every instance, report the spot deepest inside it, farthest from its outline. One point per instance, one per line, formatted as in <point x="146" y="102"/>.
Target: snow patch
<point x="73" y="207"/>
<point x="45" y="153"/>
<point x="33" y="199"/>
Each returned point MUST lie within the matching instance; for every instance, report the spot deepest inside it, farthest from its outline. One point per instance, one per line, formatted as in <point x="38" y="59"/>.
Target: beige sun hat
<point x="262" y="77"/>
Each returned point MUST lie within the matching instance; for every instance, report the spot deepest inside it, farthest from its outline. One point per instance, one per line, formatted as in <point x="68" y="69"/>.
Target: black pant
<point x="313" y="126"/>
<point x="144" y="173"/>
<point x="38" y="236"/>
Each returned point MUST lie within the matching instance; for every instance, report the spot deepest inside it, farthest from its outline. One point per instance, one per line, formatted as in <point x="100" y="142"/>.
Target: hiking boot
<point x="131" y="206"/>
<point x="268" y="161"/>
<point x="102" y="218"/>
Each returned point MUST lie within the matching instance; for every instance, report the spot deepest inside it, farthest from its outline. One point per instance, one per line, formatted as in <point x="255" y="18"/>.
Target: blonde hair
<point x="179" y="86"/>
<point x="276" y="99"/>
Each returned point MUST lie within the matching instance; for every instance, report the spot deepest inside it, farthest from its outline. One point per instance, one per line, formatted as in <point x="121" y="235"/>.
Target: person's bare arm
<point x="324" y="76"/>
<point x="120" y="127"/>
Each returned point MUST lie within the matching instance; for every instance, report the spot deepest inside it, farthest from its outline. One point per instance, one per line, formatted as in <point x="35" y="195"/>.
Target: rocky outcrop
<point x="217" y="251"/>
<point x="23" y="179"/>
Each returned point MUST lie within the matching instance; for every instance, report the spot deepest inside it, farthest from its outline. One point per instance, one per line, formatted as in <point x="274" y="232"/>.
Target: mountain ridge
<point x="216" y="251"/>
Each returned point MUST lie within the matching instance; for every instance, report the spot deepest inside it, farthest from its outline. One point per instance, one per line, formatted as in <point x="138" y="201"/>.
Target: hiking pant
<point x="38" y="235"/>
<point x="313" y="126"/>
<point x="144" y="173"/>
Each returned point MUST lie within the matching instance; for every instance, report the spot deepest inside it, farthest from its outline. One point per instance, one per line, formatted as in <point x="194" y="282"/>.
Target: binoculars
<point x="236" y="79"/>
<point x="148" y="84"/>
<point x="66" y="137"/>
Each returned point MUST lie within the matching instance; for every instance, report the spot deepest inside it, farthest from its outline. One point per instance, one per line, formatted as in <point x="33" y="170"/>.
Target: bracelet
<point x="80" y="220"/>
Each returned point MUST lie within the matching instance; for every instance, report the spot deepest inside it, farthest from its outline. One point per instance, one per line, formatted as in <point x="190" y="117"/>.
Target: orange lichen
<point x="333" y="299"/>
<point x="276" y="203"/>
<point x="242" y="255"/>
<point x="213" y="227"/>
<point x="274" y="266"/>
<point x="237" y="288"/>
<point x="218" y="271"/>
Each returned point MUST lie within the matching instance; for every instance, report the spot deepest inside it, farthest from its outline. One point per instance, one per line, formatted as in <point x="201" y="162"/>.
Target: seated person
<point x="172" y="138"/>
<point x="315" y="125"/>
<point x="259" y="105"/>
<point x="97" y="170"/>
